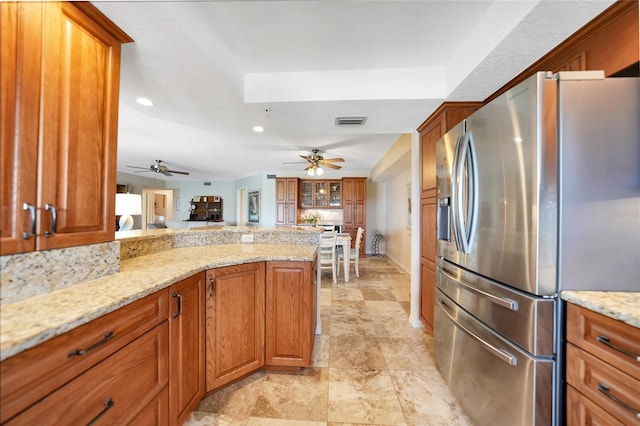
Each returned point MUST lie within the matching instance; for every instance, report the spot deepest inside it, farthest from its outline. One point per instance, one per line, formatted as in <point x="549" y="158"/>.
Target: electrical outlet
<point x="246" y="238"/>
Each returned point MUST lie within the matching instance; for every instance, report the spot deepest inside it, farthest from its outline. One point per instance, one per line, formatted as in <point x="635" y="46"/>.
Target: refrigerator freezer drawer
<point x="495" y="381"/>
<point x="523" y="318"/>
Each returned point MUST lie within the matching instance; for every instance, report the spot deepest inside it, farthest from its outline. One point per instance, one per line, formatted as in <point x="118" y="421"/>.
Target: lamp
<point x="126" y="205"/>
<point x="315" y="171"/>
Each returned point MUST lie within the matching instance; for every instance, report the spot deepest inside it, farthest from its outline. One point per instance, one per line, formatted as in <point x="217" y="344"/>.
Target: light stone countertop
<point x="622" y="306"/>
<point x="30" y="322"/>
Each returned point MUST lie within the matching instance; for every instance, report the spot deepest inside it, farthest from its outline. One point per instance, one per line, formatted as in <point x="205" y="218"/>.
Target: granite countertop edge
<point x="621" y="306"/>
<point x="29" y="322"/>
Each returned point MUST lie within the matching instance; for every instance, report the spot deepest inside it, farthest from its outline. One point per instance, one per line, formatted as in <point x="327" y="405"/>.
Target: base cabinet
<point x="291" y="314"/>
<point x="235" y="315"/>
<point x="186" y="349"/>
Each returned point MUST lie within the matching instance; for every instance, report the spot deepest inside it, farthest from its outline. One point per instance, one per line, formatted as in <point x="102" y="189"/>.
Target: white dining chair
<point x="353" y="253"/>
<point x="328" y="255"/>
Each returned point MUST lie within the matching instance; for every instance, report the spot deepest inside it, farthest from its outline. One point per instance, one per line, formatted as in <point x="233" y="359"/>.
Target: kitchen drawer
<point x="606" y="386"/>
<point x="113" y="392"/>
<point x="31" y="375"/>
<point x="610" y="340"/>
<point x="584" y="412"/>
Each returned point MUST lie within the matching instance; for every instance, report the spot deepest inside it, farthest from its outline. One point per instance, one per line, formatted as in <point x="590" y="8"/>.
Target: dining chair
<point x="328" y="254"/>
<point x="353" y="253"/>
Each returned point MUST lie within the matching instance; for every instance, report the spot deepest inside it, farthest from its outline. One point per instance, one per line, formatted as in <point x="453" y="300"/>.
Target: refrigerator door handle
<point x="467" y="164"/>
<point x="499" y="353"/>
<point x="455" y="202"/>
<point x="500" y="301"/>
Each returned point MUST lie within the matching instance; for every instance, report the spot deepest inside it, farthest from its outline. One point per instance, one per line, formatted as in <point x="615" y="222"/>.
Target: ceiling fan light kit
<point x="316" y="161"/>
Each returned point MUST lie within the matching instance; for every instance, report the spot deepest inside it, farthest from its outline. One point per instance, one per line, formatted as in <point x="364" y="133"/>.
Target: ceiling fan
<point x="158" y="167"/>
<point x="315" y="161"/>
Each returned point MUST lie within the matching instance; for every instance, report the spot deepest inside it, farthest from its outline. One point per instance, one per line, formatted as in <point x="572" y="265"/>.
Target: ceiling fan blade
<point x="295" y="162"/>
<point x="136" y="167"/>
<point x="308" y="167"/>
<point x="307" y="157"/>
<point x="331" y="166"/>
<point x="335" y="160"/>
<point x="178" y="172"/>
<point x="165" y="172"/>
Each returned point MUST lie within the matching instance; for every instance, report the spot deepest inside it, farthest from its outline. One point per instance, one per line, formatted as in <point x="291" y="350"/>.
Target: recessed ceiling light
<point x="258" y="129"/>
<point x="145" y="101"/>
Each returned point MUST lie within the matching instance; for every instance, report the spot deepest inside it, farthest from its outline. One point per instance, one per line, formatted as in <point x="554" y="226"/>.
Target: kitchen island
<point x="150" y="261"/>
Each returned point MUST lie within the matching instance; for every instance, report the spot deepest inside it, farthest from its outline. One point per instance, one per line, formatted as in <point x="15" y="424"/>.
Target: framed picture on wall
<point x="254" y="206"/>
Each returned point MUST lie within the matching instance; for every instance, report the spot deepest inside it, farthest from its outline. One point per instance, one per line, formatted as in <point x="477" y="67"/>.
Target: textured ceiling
<point x="213" y="68"/>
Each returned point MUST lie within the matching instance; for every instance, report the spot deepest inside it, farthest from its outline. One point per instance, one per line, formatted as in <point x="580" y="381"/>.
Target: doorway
<point x="157" y="206"/>
<point x="241" y="207"/>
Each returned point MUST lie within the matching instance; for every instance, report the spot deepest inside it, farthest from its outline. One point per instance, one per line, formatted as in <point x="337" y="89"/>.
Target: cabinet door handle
<point x="179" y="298"/>
<point x="605" y="341"/>
<point x="605" y="390"/>
<point x="108" y="336"/>
<point x="54" y="219"/>
<point x="32" y="220"/>
<point x="212" y="281"/>
<point x="107" y="406"/>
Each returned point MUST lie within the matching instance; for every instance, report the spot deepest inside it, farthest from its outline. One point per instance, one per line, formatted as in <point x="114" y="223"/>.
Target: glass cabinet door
<point x="335" y="199"/>
<point x="321" y="194"/>
<point x="306" y="194"/>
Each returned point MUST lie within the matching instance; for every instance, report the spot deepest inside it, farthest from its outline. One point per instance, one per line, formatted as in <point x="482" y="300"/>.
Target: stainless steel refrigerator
<point x="538" y="191"/>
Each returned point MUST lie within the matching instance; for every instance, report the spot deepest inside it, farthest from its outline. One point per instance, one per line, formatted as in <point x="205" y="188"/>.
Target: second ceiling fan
<point x="316" y="160"/>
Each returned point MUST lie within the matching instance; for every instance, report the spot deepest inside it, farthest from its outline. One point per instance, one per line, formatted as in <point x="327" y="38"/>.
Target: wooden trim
<point x="447" y="105"/>
<point x="94" y="13"/>
<point x="597" y="24"/>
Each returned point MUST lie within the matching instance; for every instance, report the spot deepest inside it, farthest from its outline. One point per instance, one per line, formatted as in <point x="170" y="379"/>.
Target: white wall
<point x="267" y="188"/>
<point x="397" y="236"/>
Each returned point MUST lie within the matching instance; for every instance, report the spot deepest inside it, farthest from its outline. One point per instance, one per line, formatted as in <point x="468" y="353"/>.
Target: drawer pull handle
<point x="107" y="406"/>
<point x="179" y="298"/>
<point x="605" y="390"/>
<point x="212" y="280"/>
<point x="79" y="352"/>
<point x="605" y="341"/>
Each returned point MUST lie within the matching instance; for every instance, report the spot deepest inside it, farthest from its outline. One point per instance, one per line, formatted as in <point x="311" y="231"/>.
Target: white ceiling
<point x="213" y="68"/>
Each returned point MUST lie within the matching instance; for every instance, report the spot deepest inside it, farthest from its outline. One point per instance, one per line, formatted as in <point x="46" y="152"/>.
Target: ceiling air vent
<point x="349" y="121"/>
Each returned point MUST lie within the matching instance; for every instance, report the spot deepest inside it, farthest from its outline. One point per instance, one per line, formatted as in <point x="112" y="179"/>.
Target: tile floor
<point x="369" y="366"/>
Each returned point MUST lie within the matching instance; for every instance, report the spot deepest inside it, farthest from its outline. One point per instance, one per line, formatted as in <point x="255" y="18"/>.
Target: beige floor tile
<point x="200" y="418"/>
<point x="320" y="356"/>
<point x="385" y="309"/>
<point x="351" y="325"/>
<point x="406" y="354"/>
<point x="363" y="396"/>
<point x="425" y="399"/>
<point x="237" y="398"/>
<point x="346" y="294"/>
<point x="377" y="294"/>
<point x="355" y="352"/>
<point x="257" y="421"/>
<point x="349" y="307"/>
<point x="300" y="396"/>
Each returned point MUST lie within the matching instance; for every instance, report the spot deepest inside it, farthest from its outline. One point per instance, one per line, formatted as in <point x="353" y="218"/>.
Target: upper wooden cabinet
<point x="440" y="122"/>
<point x="60" y="86"/>
<point x="286" y="201"/>
<point x="324" y="194"/>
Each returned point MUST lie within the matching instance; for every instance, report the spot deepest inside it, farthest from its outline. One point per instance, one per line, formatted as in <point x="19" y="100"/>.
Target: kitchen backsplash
<point x="29" y="274"/>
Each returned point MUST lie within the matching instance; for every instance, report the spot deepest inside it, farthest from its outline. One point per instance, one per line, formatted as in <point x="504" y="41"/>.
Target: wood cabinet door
<point x="80" y="88"/>
<point x="292" y="190"/>
<point x="20" y="34"/>
<point x="354" y="194"/>
<point x="427" y="293"/>
<point x="235" y="315"/>
<point x="290" y="315"/>
<point x="428" y="138"/>
<point x="428" y="213"/>
<point x="186" y="346"/>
